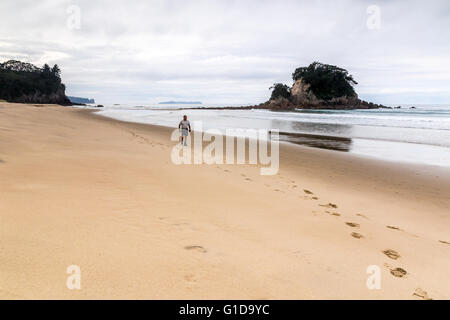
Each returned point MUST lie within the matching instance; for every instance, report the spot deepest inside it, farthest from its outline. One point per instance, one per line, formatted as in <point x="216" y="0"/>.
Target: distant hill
<point x="81" y="100"/>
<point x="26" y="83"/>
<point x="181" y="102"/>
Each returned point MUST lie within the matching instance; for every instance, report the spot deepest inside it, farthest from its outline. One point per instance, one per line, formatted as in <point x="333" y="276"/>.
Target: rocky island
<point x="318" y="86"/>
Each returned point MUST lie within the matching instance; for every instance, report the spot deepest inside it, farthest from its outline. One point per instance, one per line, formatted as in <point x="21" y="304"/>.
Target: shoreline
<point x="398" y="142"/>
<point x="295" y="151"/>
<point x="81" y="188"/>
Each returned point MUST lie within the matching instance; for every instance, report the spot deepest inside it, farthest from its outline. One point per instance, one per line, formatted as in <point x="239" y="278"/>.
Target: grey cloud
<point x="224" y="50"/>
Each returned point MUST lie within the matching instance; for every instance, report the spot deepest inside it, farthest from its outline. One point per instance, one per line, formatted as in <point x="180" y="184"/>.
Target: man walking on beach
<point x="185" y="127"/>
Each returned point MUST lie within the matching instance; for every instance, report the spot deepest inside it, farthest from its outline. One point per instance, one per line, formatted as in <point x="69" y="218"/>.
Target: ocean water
<point x="420" y="135"/>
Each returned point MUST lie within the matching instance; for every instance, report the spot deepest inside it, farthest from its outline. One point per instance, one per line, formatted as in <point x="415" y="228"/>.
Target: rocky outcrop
<point x="303" y="98"/>
<point x="25" y="83"/>
<point x="280" y="104"/>
<point x="81" y="101"/>
<point x="58" y="97"/>
<point x="318" y="86"/>
<point x="301" y="94"/>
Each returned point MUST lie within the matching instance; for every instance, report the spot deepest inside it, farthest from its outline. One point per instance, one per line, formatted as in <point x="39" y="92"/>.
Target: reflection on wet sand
<point x="330" y="129"/>
<point x="317" y="141"/>
<point x="317" y="135"/>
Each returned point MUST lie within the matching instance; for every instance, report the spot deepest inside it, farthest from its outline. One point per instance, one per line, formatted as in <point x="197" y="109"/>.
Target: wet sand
<point x="80" y="189"/>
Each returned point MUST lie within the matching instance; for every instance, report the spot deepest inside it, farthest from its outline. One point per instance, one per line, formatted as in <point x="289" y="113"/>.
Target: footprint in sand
<point x="399" y="272"/>
<point x="330" y="205"/>
<point x="421" y="294"/>
<point x="307" y="192"/>
<point x="179" y="224"/>
<point x="353" y="225"/>
<point x="226" y="171"/>
<point x="444" y="242"/>
<point x="357" y="235"/>
<point x="1" y="161"/>
<point x="196" y="248"/>
<point x="248" y="179"/>
<point x="393" y="228"/>
<point x="392" y="254"/>
<point x="362" y="216"/>
<point x="189" y="278"/>
<point x="315" y="198"/>
<point x="335" y="214"/>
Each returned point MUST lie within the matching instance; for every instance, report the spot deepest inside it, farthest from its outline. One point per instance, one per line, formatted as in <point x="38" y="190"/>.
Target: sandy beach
<point x="80" y="189"/>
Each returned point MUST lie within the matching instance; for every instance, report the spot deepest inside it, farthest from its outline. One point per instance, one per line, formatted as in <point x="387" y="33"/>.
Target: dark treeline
<point x="18" y="79"/>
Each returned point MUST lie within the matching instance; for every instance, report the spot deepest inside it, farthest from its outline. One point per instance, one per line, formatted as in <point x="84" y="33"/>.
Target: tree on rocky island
<point x="326" y="81"/>
<point x="280" y="90"/>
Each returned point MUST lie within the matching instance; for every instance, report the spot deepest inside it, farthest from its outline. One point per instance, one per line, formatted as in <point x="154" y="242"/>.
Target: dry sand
<point x="80" y="189"/>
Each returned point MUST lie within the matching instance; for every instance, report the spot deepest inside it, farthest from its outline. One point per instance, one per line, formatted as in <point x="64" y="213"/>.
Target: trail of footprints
<point x="391" y="254"/>
<point x="397" y="272"/>
<point x="291" y="185"/>
<point x="143" y="140"/>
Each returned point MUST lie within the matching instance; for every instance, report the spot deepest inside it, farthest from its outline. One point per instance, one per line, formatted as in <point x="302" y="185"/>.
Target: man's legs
<point x="183" y="138"/>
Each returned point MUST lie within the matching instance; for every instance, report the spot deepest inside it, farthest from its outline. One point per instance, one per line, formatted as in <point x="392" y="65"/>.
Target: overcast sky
<point x="231" y="51"/>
